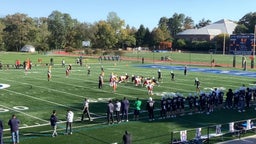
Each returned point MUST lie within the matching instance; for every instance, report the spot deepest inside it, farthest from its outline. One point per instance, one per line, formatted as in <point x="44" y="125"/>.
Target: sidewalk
<point x="243" y="140"/>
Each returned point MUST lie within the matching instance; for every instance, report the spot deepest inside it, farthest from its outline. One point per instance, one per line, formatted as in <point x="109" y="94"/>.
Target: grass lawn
<point x="32" y="98"/>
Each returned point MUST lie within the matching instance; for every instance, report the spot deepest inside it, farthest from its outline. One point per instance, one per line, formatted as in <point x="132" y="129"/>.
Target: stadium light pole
<point x="254" y="41"/>
<point x="154" y="55"/>
<point x="224" y="43"/>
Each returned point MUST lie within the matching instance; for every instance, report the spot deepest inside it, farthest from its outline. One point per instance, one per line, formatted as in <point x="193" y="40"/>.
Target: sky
<point x="133" y="12"/>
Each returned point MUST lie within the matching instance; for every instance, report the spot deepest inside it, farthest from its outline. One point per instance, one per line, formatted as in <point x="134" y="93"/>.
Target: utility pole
<point x="224" y="43"/>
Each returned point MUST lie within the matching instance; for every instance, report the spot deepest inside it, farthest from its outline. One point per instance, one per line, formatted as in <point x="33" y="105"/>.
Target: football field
<point x="32" y="98"/>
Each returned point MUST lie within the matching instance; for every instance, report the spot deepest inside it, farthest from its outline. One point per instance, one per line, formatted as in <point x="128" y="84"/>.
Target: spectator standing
<point x="163" y="111"/>
<point x="14" y="127"/>
<point x="248" y="97"/>
<point x="150" y="108"/>
<point x="63" y="63"/>
<point x="68" y="70"/>
<point x="69" y="118"/>
<point x="86" y="110"/>
<point x="1" y="132"/>
<point x="137" y="105"/>
<point x="88" y="70"/>
<point x="127" y="139"/>
<point x="51" y="61"/>
<point x="100" y="81"/>
<point x="49" y="74"/>
<point x="185" y="70"/>
<point x="117" y="110"/>
<point x="53" y="121"/>
<point x="159" y="73"/>
<point x="197" y="84"/>
<point x="172" y="76"/>
<point x="229" y="98"/>
<point x="125" y="109"/>
<point x="110" y="111"/>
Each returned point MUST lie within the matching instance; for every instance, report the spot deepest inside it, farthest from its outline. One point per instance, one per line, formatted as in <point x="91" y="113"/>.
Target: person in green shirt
<point x="137" y="105"/>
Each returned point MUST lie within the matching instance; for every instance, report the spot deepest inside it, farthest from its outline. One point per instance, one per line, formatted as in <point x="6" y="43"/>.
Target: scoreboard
<point x="241" y="44"/>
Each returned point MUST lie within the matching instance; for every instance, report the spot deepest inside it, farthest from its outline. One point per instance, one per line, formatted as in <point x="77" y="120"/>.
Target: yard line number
<point x="20" y="108"/>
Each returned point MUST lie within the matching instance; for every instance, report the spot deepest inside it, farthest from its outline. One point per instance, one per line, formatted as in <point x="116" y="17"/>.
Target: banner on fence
<point x="218" y="129"/>
<point x="248" y="124"/>
<point x="198" y="133"/>
<point x="231" y="127"/>
<point x="183" y="136"/>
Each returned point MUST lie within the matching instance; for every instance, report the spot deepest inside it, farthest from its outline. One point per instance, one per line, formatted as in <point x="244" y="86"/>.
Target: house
<point x="208" y="32"/>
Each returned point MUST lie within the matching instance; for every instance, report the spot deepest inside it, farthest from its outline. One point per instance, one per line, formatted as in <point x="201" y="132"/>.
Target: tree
<point x="2" y="27"/>
<point x="140" y="36"/>
<point x="19" y="30"/>
<point x="105" y="35"/>
<point x="219" y="41"/>
<point x="162" y="30"/>
<point x="157" y="36"/>
<point x="127" y="37"/>
<point x="203" y="23"/>
<point x="42" y="38"/>
<point x="188" y="23"/>
<point x="62" y="31"/>
<point x="83" y="32"/>
<point x="175" y="23"/>
<point x="247" y="23"/>
<point x="240" y="28"/>
<point x="180" y="43"/>
<point x="118" y="26"/>
<point x="116" y="23"/>
<point x="147" y="38"/>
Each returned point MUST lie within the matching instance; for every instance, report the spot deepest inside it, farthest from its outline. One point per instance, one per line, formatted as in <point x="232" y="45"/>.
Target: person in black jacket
<point x="127" y="139"/>
<point x="53" y="121"/>
<point x="150" y="108"/>
<point x="1" y="132"/>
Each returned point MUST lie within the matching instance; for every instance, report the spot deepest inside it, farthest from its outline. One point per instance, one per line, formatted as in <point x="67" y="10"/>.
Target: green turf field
<point x="32" y="98"/>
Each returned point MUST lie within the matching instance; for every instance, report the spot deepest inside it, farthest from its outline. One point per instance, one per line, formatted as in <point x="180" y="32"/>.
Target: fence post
<point x="208" y="135"/>
<point x="171" y="137"/>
